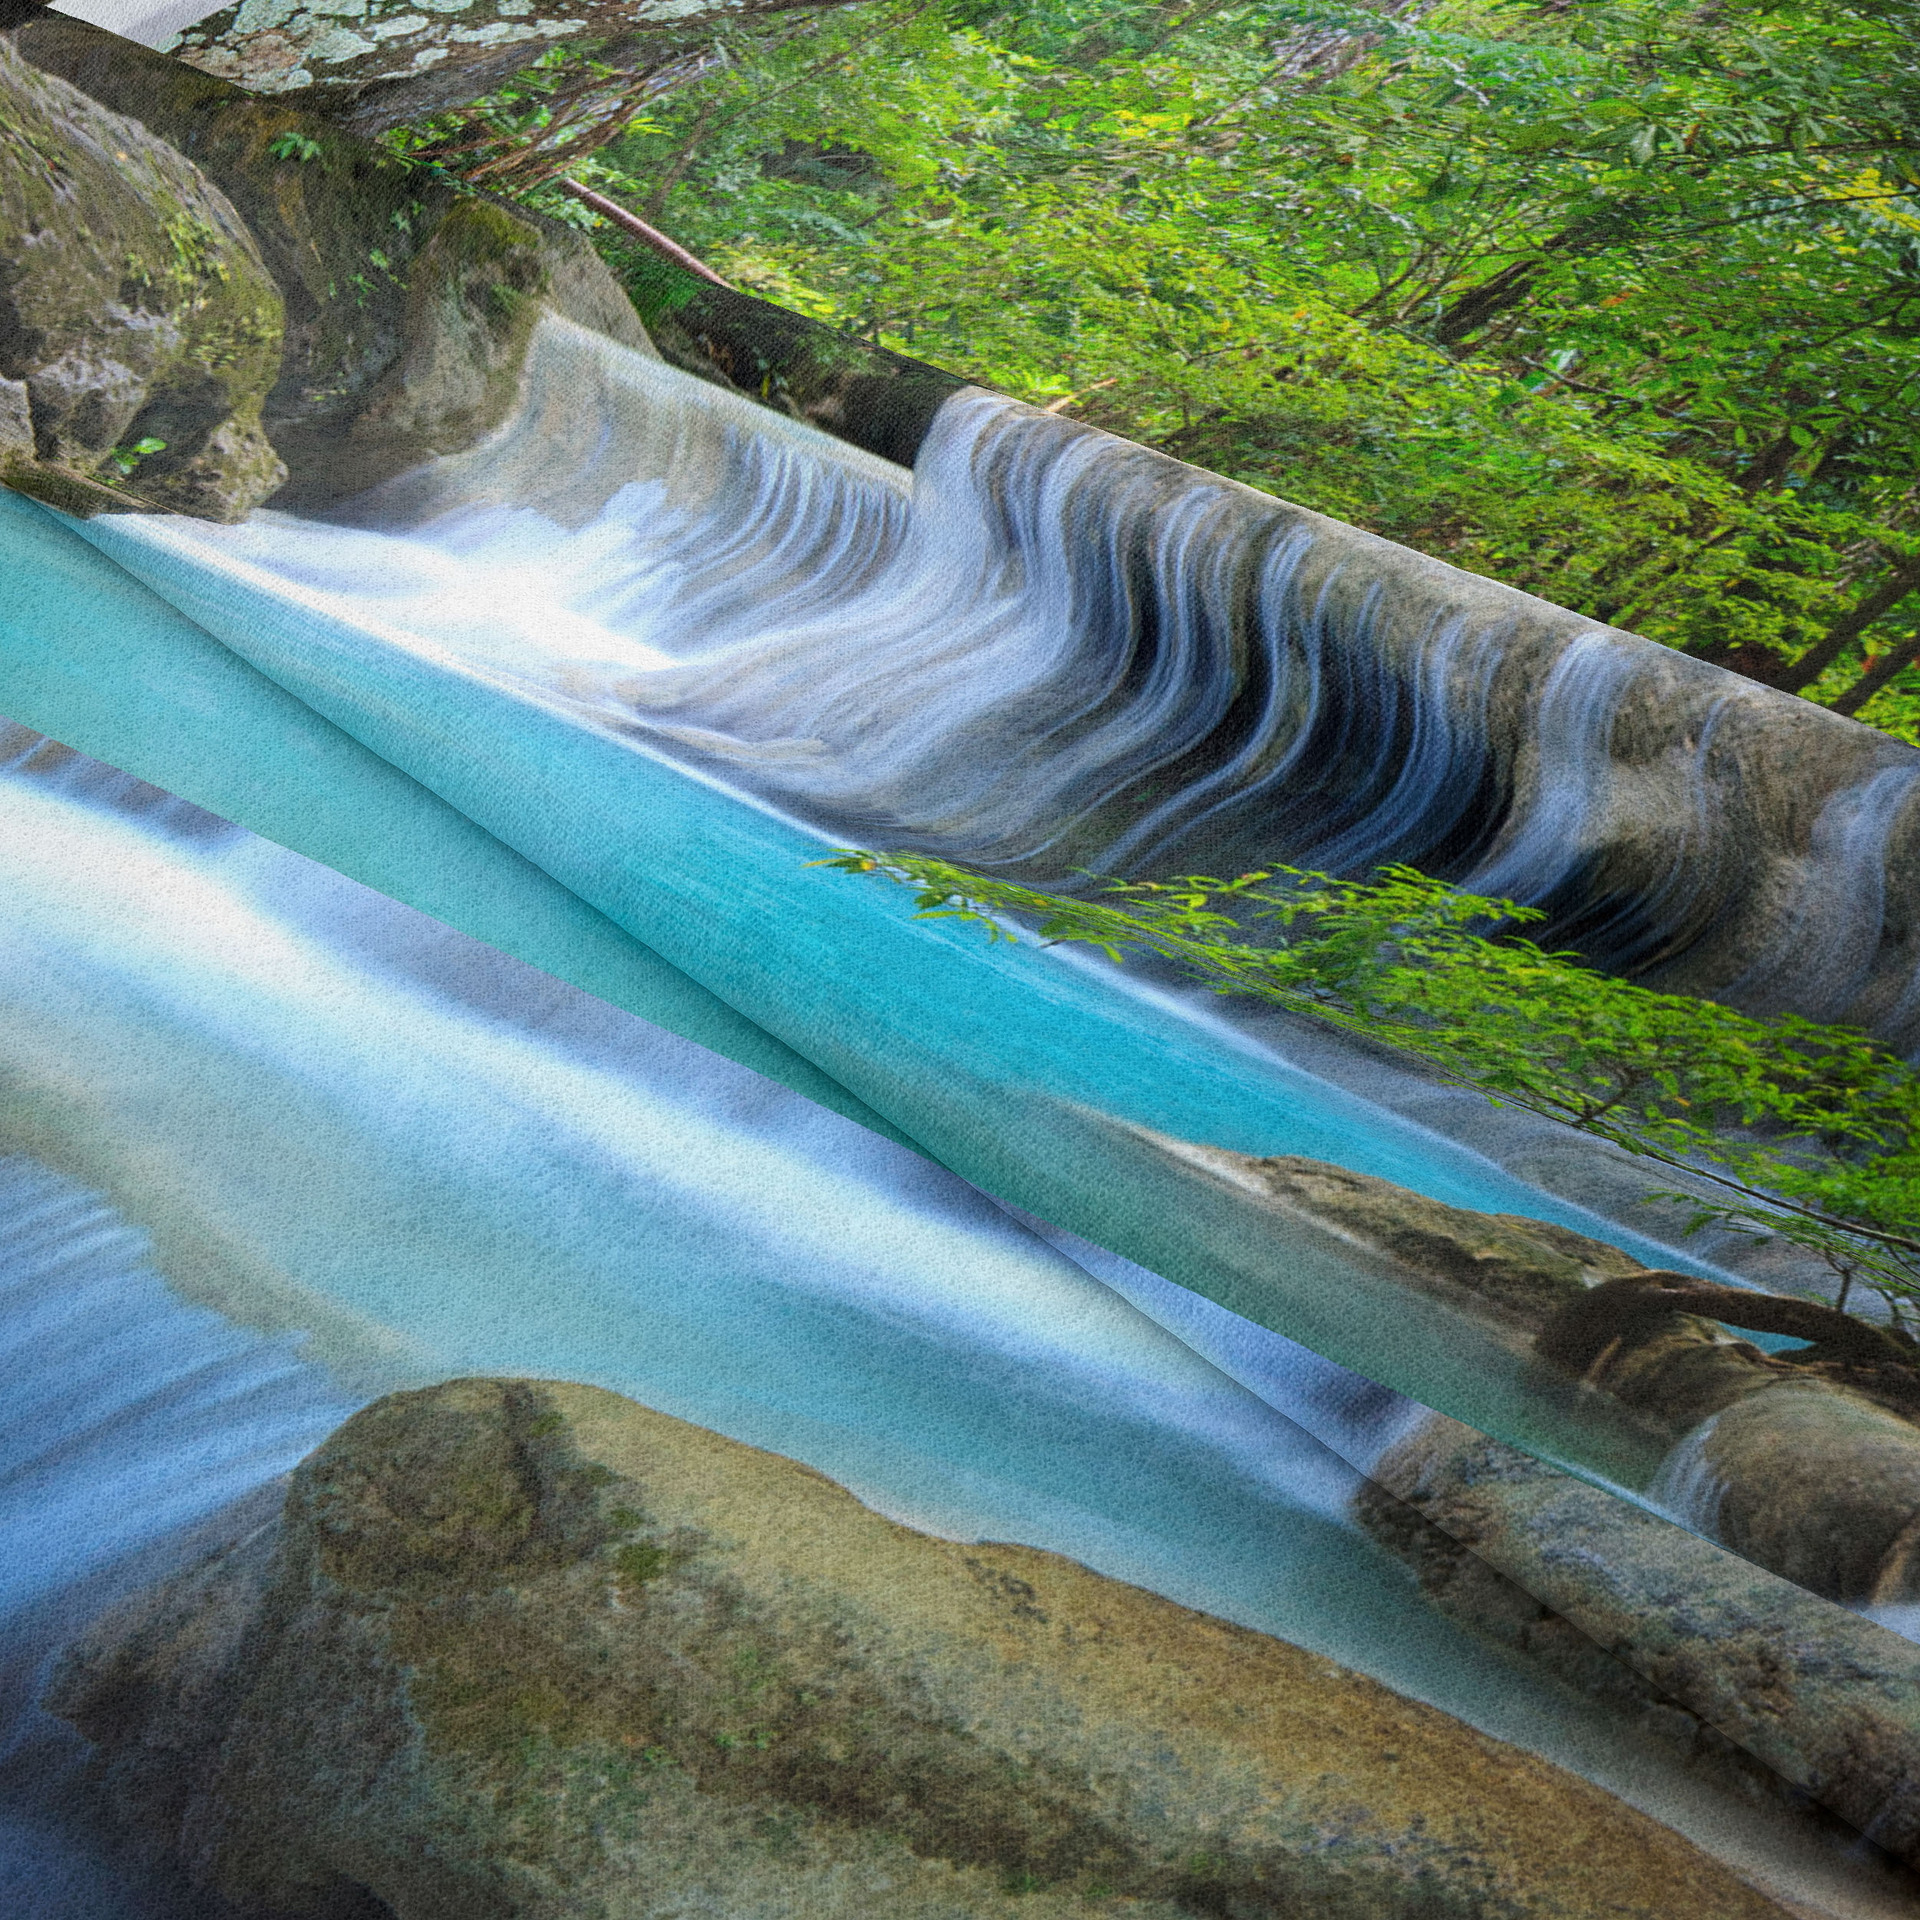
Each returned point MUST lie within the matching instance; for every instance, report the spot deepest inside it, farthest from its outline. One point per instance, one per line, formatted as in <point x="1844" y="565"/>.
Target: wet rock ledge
<point x="1801" y="1468"/>
<point x="519" y="1649"/>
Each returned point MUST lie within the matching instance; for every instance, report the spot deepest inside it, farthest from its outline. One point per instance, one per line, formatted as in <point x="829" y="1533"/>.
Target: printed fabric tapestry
<point x="779" y="1142"/>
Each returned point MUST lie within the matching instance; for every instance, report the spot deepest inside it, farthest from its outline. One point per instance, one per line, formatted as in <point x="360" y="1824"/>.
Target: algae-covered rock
<point x="140" y="329"/>
<point x="517" y="1649"/>
<point x="1503" y="1261"/>
<point x="408" y="303"/>
<point x="1504" y="1268"/>
<point x="1828" y="1700"/>
<point x="1815" y="1484"/>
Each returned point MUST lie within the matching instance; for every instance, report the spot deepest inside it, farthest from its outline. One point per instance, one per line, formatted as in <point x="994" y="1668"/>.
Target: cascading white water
<point x="1042" y="653"/>
<point x="1820" y="961"/>
<point x="1050" y="651"/>
<point x="980" y="660"/>
<point x="1544" y="855"/>
<point x="134" y="1421"/>
<point x="1688" y="1486"/>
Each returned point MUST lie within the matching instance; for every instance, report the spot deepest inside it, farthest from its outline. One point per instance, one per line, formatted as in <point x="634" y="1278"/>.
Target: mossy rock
<point x="518" y="1649"/>
<point x="407" y="302"/>
<point x="140" y="330"/>
<point x="1570" y="1573"/>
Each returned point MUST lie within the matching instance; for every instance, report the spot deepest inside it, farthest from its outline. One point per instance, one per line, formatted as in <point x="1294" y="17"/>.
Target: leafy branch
<point x="1804" y="1131"/>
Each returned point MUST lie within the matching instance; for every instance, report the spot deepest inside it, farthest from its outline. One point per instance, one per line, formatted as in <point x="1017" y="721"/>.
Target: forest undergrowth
<point x="1617" y="301"/>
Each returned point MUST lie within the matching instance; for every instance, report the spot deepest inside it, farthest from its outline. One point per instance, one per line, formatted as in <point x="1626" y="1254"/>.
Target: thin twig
<point x="1067" y="400"/>
<point x="650" y="236"/>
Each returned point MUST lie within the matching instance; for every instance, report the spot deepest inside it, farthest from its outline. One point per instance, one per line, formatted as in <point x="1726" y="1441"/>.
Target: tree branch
<point x="641" y="231"/>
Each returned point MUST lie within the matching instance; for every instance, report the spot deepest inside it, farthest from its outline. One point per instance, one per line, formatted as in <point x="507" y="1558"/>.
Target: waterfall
<point x="338" y="1118"/>
<point x="1554" y="852"/>
<point x="1688" y="1485"/>
<point x="1048" y="651"/>
<point x="1354" y="1417"/>
<point x="1821" y="960"/>
<point x="135" y="1425"/>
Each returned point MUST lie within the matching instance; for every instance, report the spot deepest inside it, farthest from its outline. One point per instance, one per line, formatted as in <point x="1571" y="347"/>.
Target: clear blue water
<point x="1002" y="1062"/>
<point x="343" y="1147"/>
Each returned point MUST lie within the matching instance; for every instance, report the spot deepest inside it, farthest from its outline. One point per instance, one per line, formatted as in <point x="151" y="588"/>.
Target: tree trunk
<point x="1897" y="657"/>
<point x="392" y="63"/>
<point x="1893" y="587"/>
<point x="1474" y="307"/>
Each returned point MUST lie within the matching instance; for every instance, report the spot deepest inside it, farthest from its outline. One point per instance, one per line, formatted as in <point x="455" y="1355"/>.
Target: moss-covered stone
<point x="407" y="302"/>
<point x="1830" y="1702"/>
<point x="140" y="330"/>
<point x="527" y="1650"/>
<point x="473" y="293"/>
<point x="1507" y="1271"/>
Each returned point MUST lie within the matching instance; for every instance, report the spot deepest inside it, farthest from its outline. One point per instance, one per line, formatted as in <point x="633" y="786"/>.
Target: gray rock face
<point x="401" y="308"/>
<point x="134" y="307"/>
<point x="519" y="1649"/>
<point x="375" y="63"/>
<point x="16" y="422"/>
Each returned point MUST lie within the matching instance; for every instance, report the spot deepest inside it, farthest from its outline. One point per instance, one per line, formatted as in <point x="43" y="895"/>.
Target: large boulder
<point x="408" y="302"/>
<point x="518" y="1649"/>
<point x="1819" y="1485"/>
<point x="135" y="311"/>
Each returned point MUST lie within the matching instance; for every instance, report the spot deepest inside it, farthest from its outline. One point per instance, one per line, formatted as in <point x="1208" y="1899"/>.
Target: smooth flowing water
<point x="1049" y="651"/>
<point x="276" y="1143"/>
<point x="647" y="652"/>
<point x="577" y="676"/>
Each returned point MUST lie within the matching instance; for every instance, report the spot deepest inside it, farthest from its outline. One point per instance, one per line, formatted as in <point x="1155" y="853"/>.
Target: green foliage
<point x="294" y="146"/>
<point x="641" y="1562"/>
<point x="1808" y="1132"/>
<point x="125" y="459"/>
<point x="1618" y="302"/>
